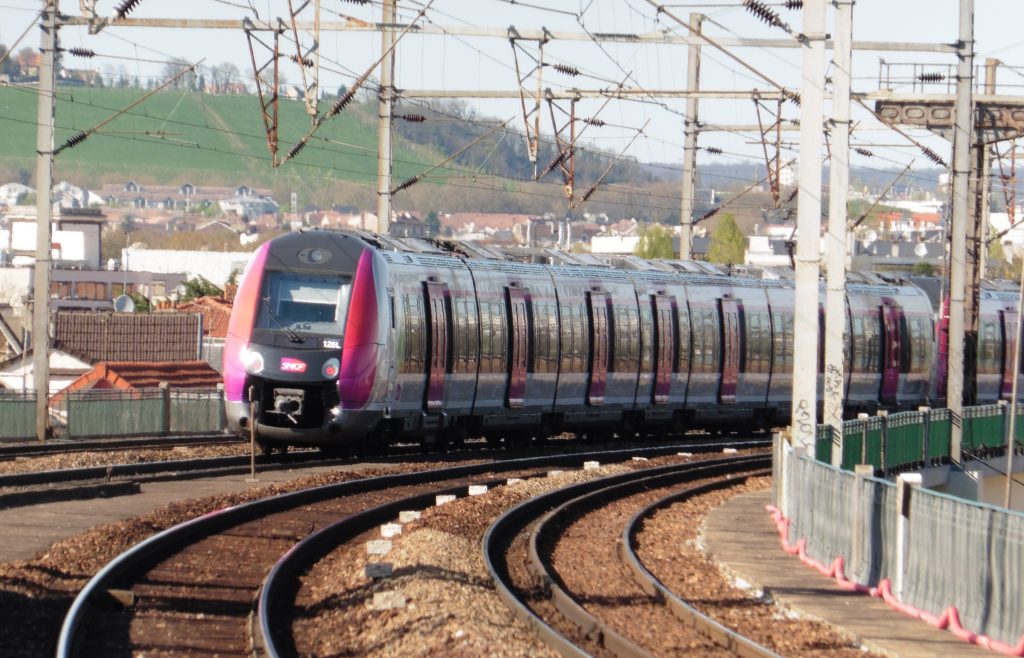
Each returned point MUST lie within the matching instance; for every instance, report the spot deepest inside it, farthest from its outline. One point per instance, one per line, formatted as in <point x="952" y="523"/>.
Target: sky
<point x="451" y="61"/>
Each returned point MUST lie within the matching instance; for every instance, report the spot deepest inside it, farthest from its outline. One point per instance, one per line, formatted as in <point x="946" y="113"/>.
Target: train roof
<point x="448" y="253"/>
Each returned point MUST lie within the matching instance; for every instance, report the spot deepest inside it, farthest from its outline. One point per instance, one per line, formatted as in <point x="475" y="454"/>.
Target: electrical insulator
<point x="293" y="151"/>
<point x="589" y="193"/>
<point x="791" y="96"/>
<point x="125" y="8"/>
<point x="413" y="118"/>
<point x="762" y="11"/>
<point x="713" y="150"/>
<point x="593" y="121"/>
<point x="340" y="104"/>
<point x="358" y="2"/>
<point x="709" y="214"/>
<point x="933" y="156"/>
<point x="74" y="140"/>
<point x="406" y="183"/>
<point x="863" y="151"/>
<point x="931" y="77"/>
<point x="794" y="4"/>
<point x="566" y="69"/>
<point x="81" y="52"/>
<point x="554" y="163"/>
<point x="304" y="61"/>
<point x="792" y="195"/>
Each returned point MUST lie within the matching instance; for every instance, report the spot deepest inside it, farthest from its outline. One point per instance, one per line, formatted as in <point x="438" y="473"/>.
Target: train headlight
<point x="330" y="369"/>
<point x="252" y="360"/>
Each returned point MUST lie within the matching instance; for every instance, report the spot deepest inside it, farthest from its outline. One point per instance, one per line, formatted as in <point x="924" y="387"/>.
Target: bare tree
<point x="173" y="68"/>
<point x="223" y="76"/>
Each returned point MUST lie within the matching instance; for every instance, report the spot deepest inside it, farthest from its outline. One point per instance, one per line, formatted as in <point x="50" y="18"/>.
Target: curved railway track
<point x="571" y="617"/>
<point x="177" y="592"/>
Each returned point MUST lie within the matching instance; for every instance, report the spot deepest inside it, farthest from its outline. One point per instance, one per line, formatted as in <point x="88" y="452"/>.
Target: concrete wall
<point x="214" y="266"/>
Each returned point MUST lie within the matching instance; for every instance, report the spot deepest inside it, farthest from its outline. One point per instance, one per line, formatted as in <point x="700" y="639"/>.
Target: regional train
<point x="349" y="338"/>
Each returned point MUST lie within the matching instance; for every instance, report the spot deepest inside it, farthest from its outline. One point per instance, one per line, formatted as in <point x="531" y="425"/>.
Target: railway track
<point x="560" y="570"/>
<point x="59" y="447"/>
<point x="191" y="588"/>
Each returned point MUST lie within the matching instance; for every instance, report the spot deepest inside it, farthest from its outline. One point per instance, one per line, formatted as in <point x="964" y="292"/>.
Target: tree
<point x="922" y="268"/>
<point x="173" y="68"/>
<point x="200" y="287"/>
<point x="433" y="224"/>
<point x="222" y="76"/>
<point x="728" y="244"/>
<point x="655" y="242"/>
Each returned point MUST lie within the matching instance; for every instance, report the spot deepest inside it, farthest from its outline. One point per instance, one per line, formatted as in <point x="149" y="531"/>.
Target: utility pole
<point x="690" y="146"/>
<point x="835" y="241"/>
<point x="962" y="130"/>
<point x="44" y="208"/>
<point x="985" y="178"/>
<point x="808" y="222"/>
<point x="387" y="101"/>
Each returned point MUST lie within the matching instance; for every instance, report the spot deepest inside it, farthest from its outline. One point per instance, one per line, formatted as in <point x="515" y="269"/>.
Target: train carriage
<point x="345" y="337"/>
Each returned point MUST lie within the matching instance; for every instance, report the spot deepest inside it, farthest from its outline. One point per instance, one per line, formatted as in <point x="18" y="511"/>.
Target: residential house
<point x="81" y="340"/>
<point x="407" y="225"/>
<point x="134" y="375"/>
<point x="11" y="194"/>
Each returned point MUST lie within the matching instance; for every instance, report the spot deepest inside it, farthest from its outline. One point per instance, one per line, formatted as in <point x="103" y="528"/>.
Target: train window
<point x="990" y="353"/>
<point x="684" y="343"/>
<point x="467" y="337"/>
<point x="415" y="342"/>
<point x="625" y="339"/>
<point x="758" y="343"/>
<point x="304" y="303"/>
<point x="574" y="337"/>
<point x="782" y="330"/>
<point x="493" y="337"/>
<point x="706" y="340"/>
<point x="545" y="342"/>
<point x="646" y="339"/>
<point x="872" y="344"/>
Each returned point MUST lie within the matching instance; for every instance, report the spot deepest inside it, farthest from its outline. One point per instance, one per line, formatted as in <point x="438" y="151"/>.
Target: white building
<point x="214" y="266"/>
<point x="11" y="193"/>
<point x="75" y="239"/>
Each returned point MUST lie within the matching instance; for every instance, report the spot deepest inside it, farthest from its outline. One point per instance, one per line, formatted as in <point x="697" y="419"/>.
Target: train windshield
<point x="304" y="303"/>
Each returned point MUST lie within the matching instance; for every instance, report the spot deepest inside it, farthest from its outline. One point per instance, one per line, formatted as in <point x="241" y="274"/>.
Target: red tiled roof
<point x="215" y="312"/>
<point x="126" y="375"/>
<point x="458" y="221"/>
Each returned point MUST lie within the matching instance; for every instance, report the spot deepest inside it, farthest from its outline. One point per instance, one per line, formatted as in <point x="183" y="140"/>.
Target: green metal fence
<point x="17" y="414"/>
<point x="913" y="439"/>
<point x="139" y="412"/>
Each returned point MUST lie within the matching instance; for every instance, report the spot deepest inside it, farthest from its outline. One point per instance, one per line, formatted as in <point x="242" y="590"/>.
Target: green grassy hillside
<point x="176" y="136"/>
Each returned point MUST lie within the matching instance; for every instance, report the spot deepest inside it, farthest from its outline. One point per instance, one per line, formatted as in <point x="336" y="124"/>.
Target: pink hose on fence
<point x="949" y="619"/>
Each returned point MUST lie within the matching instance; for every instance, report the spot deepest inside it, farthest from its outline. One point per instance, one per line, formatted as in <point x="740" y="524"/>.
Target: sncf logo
<point x="292" y="365"/>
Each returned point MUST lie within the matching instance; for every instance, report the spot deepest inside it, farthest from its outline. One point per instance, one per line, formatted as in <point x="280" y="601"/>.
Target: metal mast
<point x="805" y="348"/>
<point x="835" y="241"/>
<point x="44" y="207"/>
<point x="690" y="145"/>
<point x="387" y="100"/>
<point x="962" y="131"/>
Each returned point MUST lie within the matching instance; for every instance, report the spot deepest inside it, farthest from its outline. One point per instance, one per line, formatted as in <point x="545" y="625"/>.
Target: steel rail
<point x="690" y="616"/>
<point x="59" y="446"/>
<point x="549" y="526"/>
<point x="500" y="534"/>
<point x="147" y="552"/>
<point x="282" y="582"/>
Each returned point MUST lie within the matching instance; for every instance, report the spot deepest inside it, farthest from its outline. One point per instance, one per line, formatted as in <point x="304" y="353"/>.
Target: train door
<point x="891" y="316"/>
<point x="437" y="342"/>
<point x="730" y="311"/>
<point x="519" y="339"/>
<point x="1011" y="330"/>
<point x="664" y="347"/>
<point x="597" y="309"/>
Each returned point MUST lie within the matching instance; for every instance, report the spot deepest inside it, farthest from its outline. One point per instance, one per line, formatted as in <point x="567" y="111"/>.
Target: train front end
<point x="300" y="359"/>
